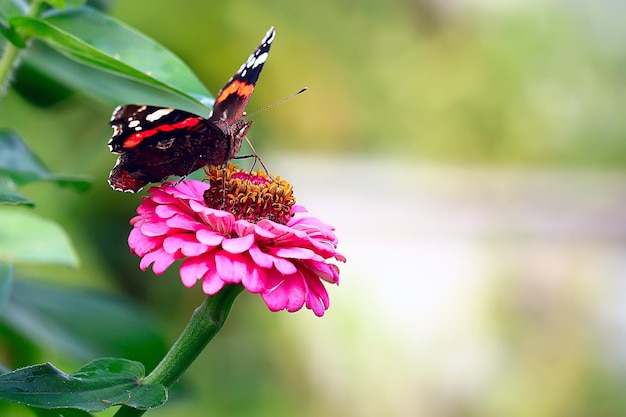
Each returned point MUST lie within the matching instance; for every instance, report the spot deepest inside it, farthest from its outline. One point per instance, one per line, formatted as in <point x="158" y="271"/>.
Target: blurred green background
<point x="471" y="156"/>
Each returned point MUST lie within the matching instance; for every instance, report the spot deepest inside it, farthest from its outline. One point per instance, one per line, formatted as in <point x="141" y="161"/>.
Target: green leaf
<point x="8" y="195"/>
<point x="83" y="324"/>
<point x="100" y="85"/>
<point x="60" y="412"/>
<point x="35" y="85"/>
<point x="62" y="4"/>
<point x="96" y="386"/>
<point x="10" y="8"/>
<point x="66" y="4"/>
<point x="9" y="33"/>
<point x="59" y="4"/>
<point x="21" y="166"/>
<point x="73" y="4"/>
<point x="27" y="238"/>
<point x="96" y="39"/>
<point x="6" y="282"/>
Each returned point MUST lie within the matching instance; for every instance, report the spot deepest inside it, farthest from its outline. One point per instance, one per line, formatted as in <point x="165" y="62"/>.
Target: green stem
<point x="7" y="61"/>
<point x="11" y="53"/>
<point x="204" y="324"/>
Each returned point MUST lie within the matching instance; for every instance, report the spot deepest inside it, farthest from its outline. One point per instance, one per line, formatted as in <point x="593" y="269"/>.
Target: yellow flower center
<point x="250" y="196"/>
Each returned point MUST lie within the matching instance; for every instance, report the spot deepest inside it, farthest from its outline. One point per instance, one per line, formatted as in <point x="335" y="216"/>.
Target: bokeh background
<point x="470" y="154"/>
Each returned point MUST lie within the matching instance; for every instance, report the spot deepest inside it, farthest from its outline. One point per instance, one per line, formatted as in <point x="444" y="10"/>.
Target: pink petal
<point x="271" y="230"/>
<point x="289" y="293"/>
<point x="327" y="272"/>
<point x="166" y="211"/>
<point x="140" y="244"/>
<point x="160" y="259"/>
<point x="264" y="260"/>
<point x="220" y="221"/>
<point x="297" y="209"/>
<point x="238" y="244"/>
<point x="146" y="206"/>
<point x="190" y="189"/>
<point x="185" y="243"/>
<point x="160" y="195"/>
<point x="284" y="266"/>
<point x="260" y="258"/>
<point x="137" y="221"/>
<point x="163" y="262"/>
<point x="198" y="207"/>
<point x="184" y="221"/>
<point x="209" y="237"/>
<point x="217" y="220"/>
<point x="243" y="228"/>
<point x="232" y="268"/>
<point x="263" y="231"/>
<point x="317" y="297"/>
<point x="154" y="229"/>
<point x="147" y="259"/>
<point x="192" y="270"/>
<point x="309" y="222"/>
<point x="254" y="281"/>
<point x="293" y="252"/>
<point x="212" y="283"/>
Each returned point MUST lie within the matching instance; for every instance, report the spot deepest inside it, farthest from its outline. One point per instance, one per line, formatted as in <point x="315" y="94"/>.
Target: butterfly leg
<point x="256" y="157"/>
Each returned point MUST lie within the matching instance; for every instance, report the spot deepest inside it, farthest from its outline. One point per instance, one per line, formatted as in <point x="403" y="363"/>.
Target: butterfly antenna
<point x="277" y="103"/>
<point x="254" y="154"/>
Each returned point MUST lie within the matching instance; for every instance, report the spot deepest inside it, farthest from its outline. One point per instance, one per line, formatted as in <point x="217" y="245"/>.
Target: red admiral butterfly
<point x="156" y="142"/>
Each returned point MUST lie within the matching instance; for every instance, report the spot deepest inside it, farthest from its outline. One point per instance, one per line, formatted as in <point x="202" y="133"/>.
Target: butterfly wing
<point x="233" y="98"/>
<point x="156" y="142"/>
<point x="135" y="125"/>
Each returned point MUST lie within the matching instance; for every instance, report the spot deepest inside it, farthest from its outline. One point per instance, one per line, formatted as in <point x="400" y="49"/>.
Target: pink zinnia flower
<point x="257" y="237"/>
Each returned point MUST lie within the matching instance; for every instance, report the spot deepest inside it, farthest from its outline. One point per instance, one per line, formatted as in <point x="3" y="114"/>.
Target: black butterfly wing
<point x="156" y="142"/>
<point x="233" y="98"/>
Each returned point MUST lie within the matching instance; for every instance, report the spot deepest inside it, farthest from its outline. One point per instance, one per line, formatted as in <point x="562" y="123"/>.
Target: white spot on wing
<point x="134" y="123"/>
<point x="250" y="61"/>
<point x="110" y="145"/>
<point x="260" y="60"/>
<point x="269" y="36"/>
<point x="157" y="114"/>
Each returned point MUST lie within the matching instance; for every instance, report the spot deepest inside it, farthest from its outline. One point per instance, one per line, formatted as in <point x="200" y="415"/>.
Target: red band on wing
<point x="136" y="138"/>
<point x="238" y="88"/>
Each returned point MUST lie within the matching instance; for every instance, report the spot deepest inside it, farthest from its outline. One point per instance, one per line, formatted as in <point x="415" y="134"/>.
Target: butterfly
<point x="156" y="142"/>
